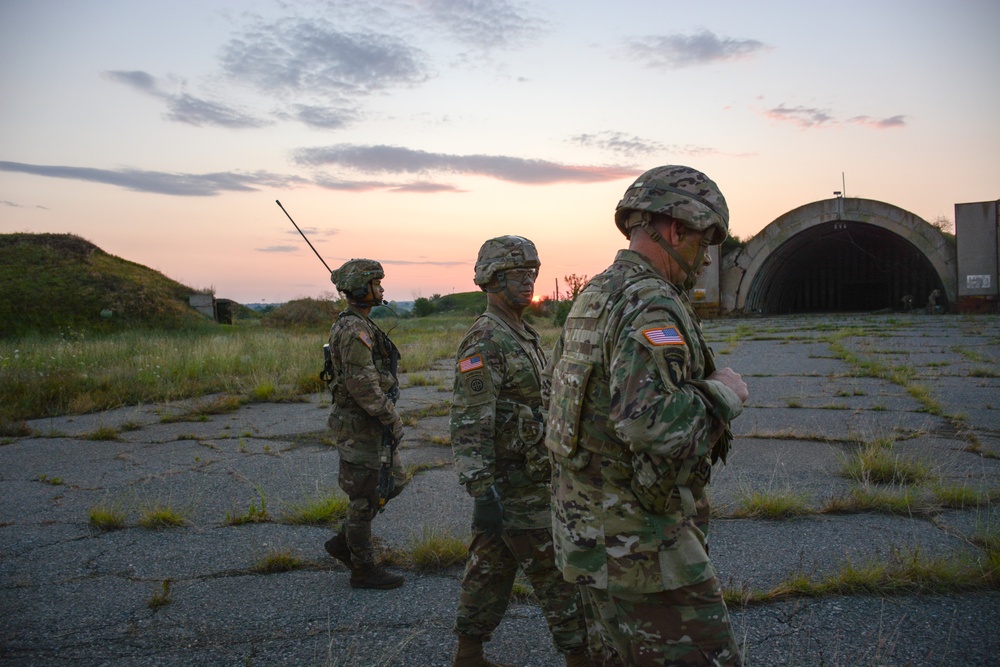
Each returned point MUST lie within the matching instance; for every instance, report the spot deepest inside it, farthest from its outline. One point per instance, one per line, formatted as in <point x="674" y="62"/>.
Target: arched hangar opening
<point x="841" y="255"/>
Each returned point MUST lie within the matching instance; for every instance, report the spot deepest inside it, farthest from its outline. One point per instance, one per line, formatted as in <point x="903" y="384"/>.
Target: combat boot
<point x="470" y="654"/>
<point x="369" y="575"/>
<point x="365" y="573"/>
<point x="337" y="547"/>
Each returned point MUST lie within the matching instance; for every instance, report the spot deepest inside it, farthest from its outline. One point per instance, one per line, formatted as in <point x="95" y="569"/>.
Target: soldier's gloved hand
<point x="397" y="431"/>
<point x="487" y="513"/>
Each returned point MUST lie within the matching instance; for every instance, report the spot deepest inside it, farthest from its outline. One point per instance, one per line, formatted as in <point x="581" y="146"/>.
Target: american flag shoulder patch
<point x="470" y="363"/>
<point x="365" y="338"/>
<point x="663" y="336"/>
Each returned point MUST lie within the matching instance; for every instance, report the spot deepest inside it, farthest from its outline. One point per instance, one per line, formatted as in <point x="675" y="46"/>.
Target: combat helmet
<point x="679" y="192"/>
<point x="501" y="254"/>
<point x="353" y="276"/>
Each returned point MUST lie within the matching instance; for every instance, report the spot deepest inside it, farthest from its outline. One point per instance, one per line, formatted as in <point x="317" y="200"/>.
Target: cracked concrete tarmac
<point x="75" y="595"/>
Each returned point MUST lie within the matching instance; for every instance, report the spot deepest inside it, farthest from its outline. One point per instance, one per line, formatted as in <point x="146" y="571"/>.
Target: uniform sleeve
<point x="361" y="378"/>
<point x="653" y="406"/>
<point x="479" y="373"/>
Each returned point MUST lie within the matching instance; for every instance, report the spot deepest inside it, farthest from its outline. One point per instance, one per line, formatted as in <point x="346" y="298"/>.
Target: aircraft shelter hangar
<point x="836" y="255"/>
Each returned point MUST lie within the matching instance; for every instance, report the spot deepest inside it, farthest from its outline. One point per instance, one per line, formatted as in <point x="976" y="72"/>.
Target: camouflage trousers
<point x="687" y="627"/>
<point x="360" y="483"/>
<point x="489" y="578"/>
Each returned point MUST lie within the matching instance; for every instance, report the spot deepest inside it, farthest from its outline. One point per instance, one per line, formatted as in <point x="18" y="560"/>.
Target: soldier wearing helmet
<point x="497" y="438"/>
<point x="637" y="415"/>
<point x="362" y="371"/>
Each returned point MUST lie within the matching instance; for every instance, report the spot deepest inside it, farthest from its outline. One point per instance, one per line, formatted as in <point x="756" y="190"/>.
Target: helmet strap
<point x="690" y="271"/>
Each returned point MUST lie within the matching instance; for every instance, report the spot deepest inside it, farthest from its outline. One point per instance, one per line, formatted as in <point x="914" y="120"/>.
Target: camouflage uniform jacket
<point x="363" y="387"/>
<point x="496" y="418"/>
<point x="632" y="422"/>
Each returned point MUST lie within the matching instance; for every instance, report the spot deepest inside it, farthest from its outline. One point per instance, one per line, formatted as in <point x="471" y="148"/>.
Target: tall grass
<point x="77" y="373"/>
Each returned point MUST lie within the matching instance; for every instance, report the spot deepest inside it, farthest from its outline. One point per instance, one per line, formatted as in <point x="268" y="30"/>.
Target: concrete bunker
<point x="842" y="254"/>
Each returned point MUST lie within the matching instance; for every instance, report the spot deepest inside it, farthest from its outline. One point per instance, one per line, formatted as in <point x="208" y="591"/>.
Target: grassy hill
<point x="52" y="282"/>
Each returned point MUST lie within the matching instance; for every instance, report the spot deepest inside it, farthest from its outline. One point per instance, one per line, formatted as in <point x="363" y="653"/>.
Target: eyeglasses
<point x="521" y="275"/>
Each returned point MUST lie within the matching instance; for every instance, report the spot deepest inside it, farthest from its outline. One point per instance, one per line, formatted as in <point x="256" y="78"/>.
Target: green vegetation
<point x="897" y="573"/>
<point x="106" y="517"/>
<point x="102" y="433"/>
<point x="161" y="597"/>
<point x="435" y="550"/>
<point x="323" y="509"/>
<point x="277" y="560"/>
<point x="771" y="505"/>
<point x="254" y="514"/>
<point x="875" y="463"/>
<point x="84" y="288"/>
<point x="903" y="501"/>
<point x="161" y="516"/>
<point x="54" y="481"/>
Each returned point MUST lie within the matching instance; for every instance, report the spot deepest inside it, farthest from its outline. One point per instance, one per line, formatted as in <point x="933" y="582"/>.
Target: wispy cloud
<point x="879" y="123"/>
<point x="617" y="142"/>
<point x="279" y="248"/>
<point x="485" y="24"/>
<point x="184" y="185"/>
<point x="186" y="108"/>
<point x="311" y="55"/>
<point x="423" y="187"/>
<point x="317" y="73"/>
<point x="676" y="51"/>
<point x="399" y="160"/>
<point x="312" y="232"/>
<point x="812" y="117"/>
<point x="801" y="116"/>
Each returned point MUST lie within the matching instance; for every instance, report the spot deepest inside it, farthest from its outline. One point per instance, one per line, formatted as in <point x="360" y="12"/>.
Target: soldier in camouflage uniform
<point x="496" y="435"/>
<point x="637" y="415"/>
<point x="362" y="377"/>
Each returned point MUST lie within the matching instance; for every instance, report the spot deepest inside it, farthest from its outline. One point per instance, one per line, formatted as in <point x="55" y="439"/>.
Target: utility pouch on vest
<point x="652" y="483"/>
<point x="569" y="383"/>
<point x="663" y="486"/>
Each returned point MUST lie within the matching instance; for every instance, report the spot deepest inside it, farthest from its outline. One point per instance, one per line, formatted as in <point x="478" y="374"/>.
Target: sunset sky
<point x="410" y="131"/>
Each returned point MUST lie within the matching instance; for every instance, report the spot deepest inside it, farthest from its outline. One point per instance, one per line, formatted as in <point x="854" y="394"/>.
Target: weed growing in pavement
<point x="161" y="597"/>
<point x="277" y="560"/>
<point x="896" y="573"/>
<point x="771" y="505"/>
<point x="439" y="440"/>
<point x="964" y="496"/>
<point x="162" y="516"/>
<point x="413" y="469"/>
<point x="102" y="433"/>
<point x="322" y="509"/>
<point x="875" y="463"/>
<point x="106" y="517"/>
<point x="45" y="479"/>
<point x="435" y="549"/>
<point x="419" y="380"/>
<point x="254" y="514"/>
<point x="904" y="501"/>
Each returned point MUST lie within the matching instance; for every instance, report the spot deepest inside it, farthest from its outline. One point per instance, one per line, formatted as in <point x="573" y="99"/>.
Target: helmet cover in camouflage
<point x="681" y="193"/>
<point x="355" y="274"/>
<point x="503" y="253"/>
